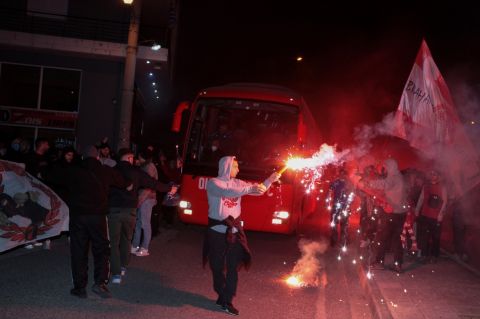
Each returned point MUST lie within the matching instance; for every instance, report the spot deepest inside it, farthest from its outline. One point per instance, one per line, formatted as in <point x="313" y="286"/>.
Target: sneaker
<point x="230" y="309"/>
<point x="47" y="244"/>
<point x="29" y="246"/>
<point x="37" y="244"/>
<point x="220" y="302"/>
<point x="134" y="250"/>
<point x="116" y="279"/>
<point x="142" y="252"/>
<point x="79" y="292"/>
<point x="101" y="290"/>
<point x="123" y="271"/>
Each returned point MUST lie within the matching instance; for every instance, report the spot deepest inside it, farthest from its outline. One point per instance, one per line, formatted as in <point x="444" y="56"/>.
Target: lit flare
<point x="294" y="281"/>
<point x="324" y="156"/>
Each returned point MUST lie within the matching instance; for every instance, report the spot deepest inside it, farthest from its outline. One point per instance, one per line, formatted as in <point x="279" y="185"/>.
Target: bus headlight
<point x="282" y="214"/>
<point x="184" y="204"/>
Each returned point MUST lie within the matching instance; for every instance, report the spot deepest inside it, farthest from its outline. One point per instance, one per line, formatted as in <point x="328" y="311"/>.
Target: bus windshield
<point x="259" y="133"/>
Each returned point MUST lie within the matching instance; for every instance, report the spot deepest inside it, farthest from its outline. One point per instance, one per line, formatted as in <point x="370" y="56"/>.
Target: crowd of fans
<point x="400" y="211"/>
<point x="117" y="202"/>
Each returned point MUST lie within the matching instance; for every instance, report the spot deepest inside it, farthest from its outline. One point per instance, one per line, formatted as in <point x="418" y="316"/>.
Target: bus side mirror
<point x="179" y="116"/>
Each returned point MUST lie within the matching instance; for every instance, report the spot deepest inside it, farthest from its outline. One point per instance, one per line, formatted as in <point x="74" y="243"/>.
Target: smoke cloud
<point x="308" y="267"/>
<point x="365" y="134"/>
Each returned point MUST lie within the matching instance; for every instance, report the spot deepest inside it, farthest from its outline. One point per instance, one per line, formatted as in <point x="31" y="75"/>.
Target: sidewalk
<point x="447" y="289"/>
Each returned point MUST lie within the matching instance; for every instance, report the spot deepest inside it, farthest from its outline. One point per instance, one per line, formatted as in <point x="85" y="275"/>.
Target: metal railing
<point x="63" y="26"/>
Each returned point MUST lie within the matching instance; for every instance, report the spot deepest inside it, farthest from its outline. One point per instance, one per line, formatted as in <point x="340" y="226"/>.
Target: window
<point x="57" y="138"/>
<point x="19" y="85"/>
<point x="60" y="90"/>
<point x="259" y="133"/>
<point x="8" y="133"/>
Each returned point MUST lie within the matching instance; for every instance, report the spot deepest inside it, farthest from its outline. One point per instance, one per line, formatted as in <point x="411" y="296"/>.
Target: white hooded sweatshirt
<point x="393" y="186"/>
<point x="225" y="193"/>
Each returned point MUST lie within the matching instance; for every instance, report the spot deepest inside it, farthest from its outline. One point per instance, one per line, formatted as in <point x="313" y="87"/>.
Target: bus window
<point x="259" y="134"/>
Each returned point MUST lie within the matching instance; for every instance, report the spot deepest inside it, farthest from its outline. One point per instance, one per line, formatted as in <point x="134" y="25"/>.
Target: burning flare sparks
<point x="312" y="167"/>
<point x="324" y="156"/>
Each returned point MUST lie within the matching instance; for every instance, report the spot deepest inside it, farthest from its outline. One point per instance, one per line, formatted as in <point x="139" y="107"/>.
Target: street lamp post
<point x="129" y="78"/>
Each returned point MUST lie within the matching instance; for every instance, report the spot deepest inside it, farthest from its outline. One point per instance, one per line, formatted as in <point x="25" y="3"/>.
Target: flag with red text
<point x="427" y="119"/>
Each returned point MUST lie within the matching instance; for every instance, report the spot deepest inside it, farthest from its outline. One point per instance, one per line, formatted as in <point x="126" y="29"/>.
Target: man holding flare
<point x="225" y="247"/>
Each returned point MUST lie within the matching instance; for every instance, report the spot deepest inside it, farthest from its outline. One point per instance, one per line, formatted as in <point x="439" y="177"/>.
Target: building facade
<point x="62" y="70"/>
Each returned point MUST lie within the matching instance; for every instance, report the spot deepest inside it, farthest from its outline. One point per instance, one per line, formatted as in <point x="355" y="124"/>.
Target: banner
<point x="427" y="119"/>
<point x="29" y="210"/>
<point x="33" y="117"/>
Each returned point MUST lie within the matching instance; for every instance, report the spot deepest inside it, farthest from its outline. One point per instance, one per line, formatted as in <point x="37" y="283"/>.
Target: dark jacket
<point x="129" y="199"/>
<point x="88" y="186"/>
<point x="36" y="164"/>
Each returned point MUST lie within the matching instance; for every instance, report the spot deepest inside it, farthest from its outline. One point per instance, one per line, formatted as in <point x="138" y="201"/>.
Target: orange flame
<point x="294" y="281"/>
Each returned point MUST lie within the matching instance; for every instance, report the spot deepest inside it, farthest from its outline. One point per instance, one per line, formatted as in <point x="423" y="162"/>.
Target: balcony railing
<point x="63" y="26"/>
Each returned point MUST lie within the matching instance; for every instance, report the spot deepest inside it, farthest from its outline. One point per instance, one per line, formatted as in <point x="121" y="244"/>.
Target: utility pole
<point x="172" y="28"/>
<point x="129" y="78"/>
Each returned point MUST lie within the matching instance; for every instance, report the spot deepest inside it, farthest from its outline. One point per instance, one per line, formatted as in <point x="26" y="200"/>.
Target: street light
<point x="128" y="1"/>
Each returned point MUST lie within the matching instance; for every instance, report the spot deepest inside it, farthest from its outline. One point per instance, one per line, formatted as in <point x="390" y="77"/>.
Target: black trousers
<point x="86" y="230"/>
<point x="428" y="234"/>
<point x="224" y="259"/>
<point x="343" y="222"/>
<point x="389" y="236"/>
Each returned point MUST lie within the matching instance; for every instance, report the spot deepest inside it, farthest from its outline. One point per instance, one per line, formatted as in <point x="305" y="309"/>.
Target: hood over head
<point x="391" y="166"/>
<point x="225" y="166"/>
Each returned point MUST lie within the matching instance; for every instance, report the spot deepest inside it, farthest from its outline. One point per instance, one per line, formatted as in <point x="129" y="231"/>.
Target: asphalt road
<point x="171" y="283"/>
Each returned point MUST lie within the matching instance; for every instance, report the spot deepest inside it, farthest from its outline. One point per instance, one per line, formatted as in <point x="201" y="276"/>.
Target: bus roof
<point x="255" y="91"/>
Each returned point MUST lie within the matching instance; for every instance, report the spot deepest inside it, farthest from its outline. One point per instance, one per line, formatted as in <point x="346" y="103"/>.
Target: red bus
<point x="260" y="124"/>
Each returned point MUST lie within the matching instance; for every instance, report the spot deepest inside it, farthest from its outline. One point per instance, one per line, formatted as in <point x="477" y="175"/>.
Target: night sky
<point x="356" y="58"/>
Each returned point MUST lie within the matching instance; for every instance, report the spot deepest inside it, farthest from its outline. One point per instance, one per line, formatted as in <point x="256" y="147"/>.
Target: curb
<point x="461" y="262"/>
<point x="378" y="308"/>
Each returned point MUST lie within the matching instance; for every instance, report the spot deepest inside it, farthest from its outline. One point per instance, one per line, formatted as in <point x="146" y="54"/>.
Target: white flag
<point x="29" y="210"/>
<point x="427" y="119"/>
